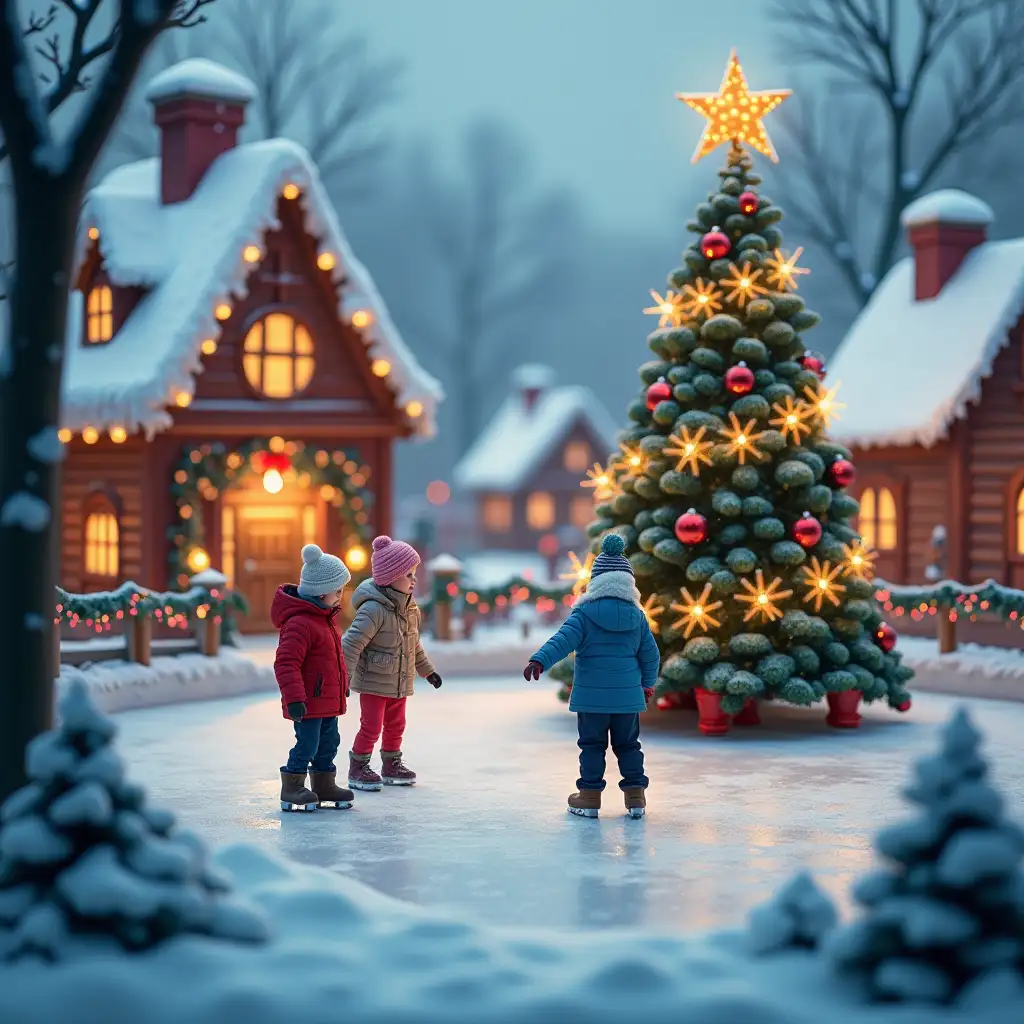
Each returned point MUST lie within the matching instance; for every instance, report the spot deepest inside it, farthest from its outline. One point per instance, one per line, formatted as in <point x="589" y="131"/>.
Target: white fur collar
<point x="618" y="584"/>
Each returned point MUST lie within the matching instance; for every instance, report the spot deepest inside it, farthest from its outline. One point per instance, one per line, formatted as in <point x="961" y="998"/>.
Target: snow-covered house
<point x="524" y="470"/>
<point x="234" y="383"/>
<point x="932" y="374"/>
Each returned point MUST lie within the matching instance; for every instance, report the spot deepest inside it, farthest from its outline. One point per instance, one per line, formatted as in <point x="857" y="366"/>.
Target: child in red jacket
<point x="310" y="671"/>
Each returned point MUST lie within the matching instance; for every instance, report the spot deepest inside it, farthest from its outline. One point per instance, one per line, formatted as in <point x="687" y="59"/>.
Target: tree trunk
<point x="46" y="214"/>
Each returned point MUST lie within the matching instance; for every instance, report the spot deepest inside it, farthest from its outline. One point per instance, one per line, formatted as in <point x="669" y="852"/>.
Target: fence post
<point x="140" y="639"/>
<point x="445" y="570"/>
<point x="209" y="635"/>
<point x="947" y="633"/>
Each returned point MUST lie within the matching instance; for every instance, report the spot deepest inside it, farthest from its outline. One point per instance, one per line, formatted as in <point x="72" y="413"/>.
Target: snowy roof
<point x="190" y="255"/>
<point x="486" y="569"/>
<point x="518" y="440"/>
<point x="948" y="206"/>
<point x="200" y="77"/>
<point x="909" y="368"/>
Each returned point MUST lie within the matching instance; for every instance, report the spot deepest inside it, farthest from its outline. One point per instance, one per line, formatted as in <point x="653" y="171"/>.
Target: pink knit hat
<point x="391" y="559"/>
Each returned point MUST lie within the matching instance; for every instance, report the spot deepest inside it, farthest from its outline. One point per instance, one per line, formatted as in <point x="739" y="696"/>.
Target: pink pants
<point x="377" y="713"/>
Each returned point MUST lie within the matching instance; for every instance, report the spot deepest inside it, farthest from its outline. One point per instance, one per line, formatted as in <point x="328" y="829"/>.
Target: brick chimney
<point x="531" y="381"/>
<point x="198" y="106"/>
<point x="942" y="228"/>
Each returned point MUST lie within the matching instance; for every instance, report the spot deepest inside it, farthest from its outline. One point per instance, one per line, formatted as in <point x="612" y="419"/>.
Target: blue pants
<point x="317" y="741"/>
<point x="624" y="732"/>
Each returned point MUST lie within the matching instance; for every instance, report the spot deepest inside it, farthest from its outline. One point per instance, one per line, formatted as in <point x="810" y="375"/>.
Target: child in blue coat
<point x="617" y="664"/>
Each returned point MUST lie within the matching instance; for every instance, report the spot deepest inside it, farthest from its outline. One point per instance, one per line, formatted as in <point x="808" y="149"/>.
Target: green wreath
<point x="209" y="469"/>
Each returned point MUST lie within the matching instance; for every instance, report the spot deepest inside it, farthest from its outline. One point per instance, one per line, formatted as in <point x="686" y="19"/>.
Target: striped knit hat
<point x="611" y="558"/>
<point x="391" y="559"/>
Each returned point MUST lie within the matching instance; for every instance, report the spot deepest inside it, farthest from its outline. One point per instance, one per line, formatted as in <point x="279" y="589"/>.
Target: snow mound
<point x="122" y="685"/>
<point x="203" y="78"/>
<point x="947" y="206"/>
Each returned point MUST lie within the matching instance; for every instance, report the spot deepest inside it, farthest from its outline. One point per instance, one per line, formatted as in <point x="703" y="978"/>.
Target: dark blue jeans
<point x="624" y="732"/>
<point x="317" y="741"/>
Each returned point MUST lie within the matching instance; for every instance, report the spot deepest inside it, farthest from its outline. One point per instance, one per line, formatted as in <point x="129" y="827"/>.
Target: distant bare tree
<point x="314" y="83"/>
<point x="876" y="140"/>
<point x="503" y="248"/>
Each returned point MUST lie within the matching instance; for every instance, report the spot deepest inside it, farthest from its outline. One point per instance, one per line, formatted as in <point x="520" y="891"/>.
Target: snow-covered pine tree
<point x="728" y="492"/>
<point x="81" y="854"/>
<point x="948" y="913"/>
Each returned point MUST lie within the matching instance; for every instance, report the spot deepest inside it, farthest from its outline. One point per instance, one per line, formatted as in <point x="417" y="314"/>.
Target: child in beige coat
<point x="383" y="655"/>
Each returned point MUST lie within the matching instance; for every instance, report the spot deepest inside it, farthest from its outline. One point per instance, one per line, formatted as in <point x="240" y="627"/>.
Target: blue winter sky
<point x="589" y="84"/>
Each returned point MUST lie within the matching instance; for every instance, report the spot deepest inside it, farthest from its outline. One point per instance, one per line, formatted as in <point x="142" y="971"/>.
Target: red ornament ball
<point x="815" y="362"/>
<point x="749" y="202"/>
<point x="842" y="472"/>
<point x="885" y="637"/>
<point x="904" y="707"/>
<point x="807" y="531"/>
<point x="691" y="527"/>
<point x="665" y="703"/>
<point x="739" y="379"/>
<point x="715" y="244"/>
<point x="659" y="391"/>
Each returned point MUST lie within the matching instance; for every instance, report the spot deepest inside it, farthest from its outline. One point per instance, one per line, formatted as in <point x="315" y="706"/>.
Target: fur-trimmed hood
<point x="612" y="601"/>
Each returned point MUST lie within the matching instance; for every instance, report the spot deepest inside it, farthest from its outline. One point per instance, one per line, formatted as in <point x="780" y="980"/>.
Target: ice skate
<point x="361" y="775"/>
<point x="294" y="795"/>
<point x="636" y="801"/>
<point x="330" y="795"/>
<point x="586" y="803"/>
<point x="394" y="773"/>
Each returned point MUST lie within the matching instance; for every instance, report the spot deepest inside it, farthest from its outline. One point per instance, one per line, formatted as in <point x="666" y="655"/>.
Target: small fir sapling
<point x="798" y="916"/>
<point x="945" y="920"/>
<point x="82" y="855"/>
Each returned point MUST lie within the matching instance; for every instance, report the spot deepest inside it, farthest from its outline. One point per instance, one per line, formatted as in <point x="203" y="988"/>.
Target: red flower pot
<point x="842" y="709"/>
<point x="712" y="720"/>
<point x="748" y="714"/>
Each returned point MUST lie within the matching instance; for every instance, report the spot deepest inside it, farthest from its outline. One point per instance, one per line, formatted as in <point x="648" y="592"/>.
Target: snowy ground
<point x="486" y="831"/>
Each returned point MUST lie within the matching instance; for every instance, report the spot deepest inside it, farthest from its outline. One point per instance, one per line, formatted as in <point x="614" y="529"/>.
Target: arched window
<point x="99" y="315"/>
<point x="877" y="521"/>
<point x="277" y="356"/>
<point x="540" y="511"/>
<point x="101" y="548"/>
<point x="1020" y="521"/>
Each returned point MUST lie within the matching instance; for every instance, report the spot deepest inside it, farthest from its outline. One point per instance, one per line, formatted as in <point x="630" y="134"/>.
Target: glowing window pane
<point x="280" y="333"/>
<point x="886" y="520"/>
<point x="278" y="376"/>
<point x="866" y="519"/>
<point x="303" y="342"/>
<point x="101" y="544"/>
<point x="497" y="514"/>
<point x="99" y="315"/>
<point x="581" y="512"/>
<point x="1020" y="522"/>
<point x="254" y="339"/>
<point x="303" y="372"/>
<point x="278" y="359"/>
<point x="540" y="511"/>
<point x="577" y="456"/>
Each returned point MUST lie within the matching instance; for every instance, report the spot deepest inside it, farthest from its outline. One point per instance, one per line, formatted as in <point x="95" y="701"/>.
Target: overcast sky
<point x="590" y="84"/>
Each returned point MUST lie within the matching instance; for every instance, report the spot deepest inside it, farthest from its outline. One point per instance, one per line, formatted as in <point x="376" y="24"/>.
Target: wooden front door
<point x="269" y="540"/>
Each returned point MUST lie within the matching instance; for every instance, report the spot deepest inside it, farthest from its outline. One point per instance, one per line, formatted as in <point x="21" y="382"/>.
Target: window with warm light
<point x="277" y="356"/>
<point x="99" y="315"/>
<point x="576" y="456"/>
<point x="1020" y="521"/>
<point x="581" y="512"/>
<point x="497" y="513"/>
<point x="877" y="520"/>
<point x="102" y="541"/>
<point x="540" y="511"/>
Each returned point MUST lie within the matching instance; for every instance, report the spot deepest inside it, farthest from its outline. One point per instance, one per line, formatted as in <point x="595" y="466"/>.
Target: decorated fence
<point x="207" y="607"/>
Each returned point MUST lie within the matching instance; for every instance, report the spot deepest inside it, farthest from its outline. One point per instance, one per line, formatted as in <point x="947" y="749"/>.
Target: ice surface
<point x="947" y="206"/>
<point x="190" y="255"/>
<point x="198" y="76"/>
<point x="946" y="345"/>
<point x="517" y="440"/>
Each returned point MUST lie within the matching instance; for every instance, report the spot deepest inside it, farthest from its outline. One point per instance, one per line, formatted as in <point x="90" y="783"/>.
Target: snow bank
<point x="341" y="951"/>
<point x="121" y="685"/>
<point x="972" y="670"/>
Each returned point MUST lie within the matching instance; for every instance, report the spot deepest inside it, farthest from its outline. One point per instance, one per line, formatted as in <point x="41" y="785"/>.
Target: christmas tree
<point x="948" y="915"/>
<point x="728" y="492"/>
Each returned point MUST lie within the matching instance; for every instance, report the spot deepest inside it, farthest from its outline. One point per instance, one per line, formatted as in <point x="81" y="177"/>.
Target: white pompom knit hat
<point x="321" y="574"/>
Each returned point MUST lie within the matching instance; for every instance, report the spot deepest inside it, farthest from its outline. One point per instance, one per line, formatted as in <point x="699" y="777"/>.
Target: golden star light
<point x="695" y="611"/>
<point x="742" y="440"/>
<point x="652" y="608"/>
<point x="701" y="298"/>
<point x="601" y="480"/>
<point x="743" y="283"/>
<point x="667" y="308"/>
<point x="630" y="459"/>
<point x="580" y="573"/>
<point x="819" y="578"/>
<point x="761" y="598"/>
<point x="859" y="560"/>
<point x="783" y="271"/>
<point x="734" y="113"/>
<point x="823" y="403"/>
<point x="689" y="451"/>
<point x="791" y="418"/>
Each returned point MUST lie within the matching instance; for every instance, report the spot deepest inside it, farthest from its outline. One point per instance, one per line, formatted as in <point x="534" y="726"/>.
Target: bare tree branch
<point x="970" y="47"/>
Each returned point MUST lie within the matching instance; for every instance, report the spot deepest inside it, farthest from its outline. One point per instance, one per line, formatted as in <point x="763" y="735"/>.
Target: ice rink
<point x="486" y="830"/>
